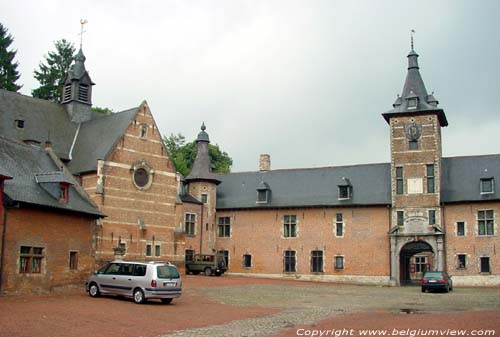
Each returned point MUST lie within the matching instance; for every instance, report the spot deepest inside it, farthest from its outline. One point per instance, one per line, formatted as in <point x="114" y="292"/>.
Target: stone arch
<point x="415" y="257"/>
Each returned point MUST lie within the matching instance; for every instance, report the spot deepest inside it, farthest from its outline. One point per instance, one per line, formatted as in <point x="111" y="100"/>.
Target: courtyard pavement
<point x="238" y="306"/>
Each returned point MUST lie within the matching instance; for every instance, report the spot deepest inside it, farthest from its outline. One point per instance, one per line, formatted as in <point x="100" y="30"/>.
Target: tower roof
<point x="414" y="98"/>
<point x="202" y="166"/>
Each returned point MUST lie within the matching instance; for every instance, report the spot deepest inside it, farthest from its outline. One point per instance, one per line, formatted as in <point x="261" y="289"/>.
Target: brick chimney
<point x="265" y="162"/>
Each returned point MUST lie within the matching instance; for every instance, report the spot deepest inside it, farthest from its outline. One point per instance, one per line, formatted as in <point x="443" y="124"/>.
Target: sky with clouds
<point x="305" y="81"/>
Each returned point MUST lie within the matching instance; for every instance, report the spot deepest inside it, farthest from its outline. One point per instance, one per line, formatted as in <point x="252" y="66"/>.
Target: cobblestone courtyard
<point x="236" y="306"/>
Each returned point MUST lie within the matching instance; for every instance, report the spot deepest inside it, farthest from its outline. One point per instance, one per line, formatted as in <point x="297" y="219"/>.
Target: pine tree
<point x="51" y="74"/>
<point x="8" y="68"/>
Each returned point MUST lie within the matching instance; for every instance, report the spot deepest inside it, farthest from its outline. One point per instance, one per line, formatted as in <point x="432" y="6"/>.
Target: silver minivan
<point x="139" y="280"/>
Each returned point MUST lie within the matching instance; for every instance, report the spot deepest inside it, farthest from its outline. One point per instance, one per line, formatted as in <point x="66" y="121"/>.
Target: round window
<point x="141" y="177"/>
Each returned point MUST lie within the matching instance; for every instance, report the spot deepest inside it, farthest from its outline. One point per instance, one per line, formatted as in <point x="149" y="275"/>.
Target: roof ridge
<point x="474" y="156"/>
<point x="31" y="97"/>
<point x="309" y="168"/>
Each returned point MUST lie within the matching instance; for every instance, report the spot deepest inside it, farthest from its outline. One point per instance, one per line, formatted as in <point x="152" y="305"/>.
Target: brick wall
<point x="364" y="244"/>
<point x="57" y="234"/>
<point x="128" y="206"/>
<point x="471" y="244"/>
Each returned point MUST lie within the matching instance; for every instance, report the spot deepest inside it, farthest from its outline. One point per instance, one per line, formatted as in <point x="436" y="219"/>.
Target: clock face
<point x="413" y="131"/>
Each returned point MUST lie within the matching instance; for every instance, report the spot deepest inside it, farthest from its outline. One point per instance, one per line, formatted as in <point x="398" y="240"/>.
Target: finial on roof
<point x="82" y="22"/>
<point x="412" y="33"/>
<point x="203" y="127"/>
<point x="203" y="136"/>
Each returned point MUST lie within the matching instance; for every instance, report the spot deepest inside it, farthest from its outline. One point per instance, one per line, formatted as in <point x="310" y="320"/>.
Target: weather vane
<point x="412" y="33"/>
<point x="82" y="22"/>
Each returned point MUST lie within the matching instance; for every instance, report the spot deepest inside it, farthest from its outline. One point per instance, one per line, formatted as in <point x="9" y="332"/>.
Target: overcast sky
<point x="305" y="81"/>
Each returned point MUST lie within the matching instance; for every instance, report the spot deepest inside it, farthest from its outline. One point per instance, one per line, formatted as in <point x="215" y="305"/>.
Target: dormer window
<point x="262" y="196"/>
<point x="64" y="186"/>
<point x="19" y="123"/>
<point x="412" y="103"/>
<point x="263" y="191"/>
<point x="487" y="186"/>
<point x="345" y="192"/>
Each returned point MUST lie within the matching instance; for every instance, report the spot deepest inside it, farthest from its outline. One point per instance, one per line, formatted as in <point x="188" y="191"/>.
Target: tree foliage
<point x="51" y="74"/>
<point x="104" y="111"/>
<point x="183" y="154"/>
<point x="8" y="68"/>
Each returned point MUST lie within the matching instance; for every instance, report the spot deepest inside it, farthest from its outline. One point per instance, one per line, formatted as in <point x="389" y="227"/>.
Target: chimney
<point x="265" y="162"/>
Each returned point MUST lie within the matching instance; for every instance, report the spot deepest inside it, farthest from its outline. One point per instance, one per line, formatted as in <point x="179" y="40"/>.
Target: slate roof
<point x="310" y="187"/>
<point x="316" y="187"/>
<point x="23" y="162"/>
<point x="461" y="178"/>
<point x="43" y="120"/>
<point x="96" y="138"/>
<point x="202" y="166"/>
<point x="414" y="87"/>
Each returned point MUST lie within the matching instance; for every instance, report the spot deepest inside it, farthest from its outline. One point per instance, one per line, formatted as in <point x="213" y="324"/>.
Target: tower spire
<point x="82" y="23"/>
<point x="412" y="34"/>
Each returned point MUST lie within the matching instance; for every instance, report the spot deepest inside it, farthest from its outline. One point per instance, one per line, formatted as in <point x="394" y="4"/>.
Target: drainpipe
<point x="3" y="215"/>
<point x="201" y="230"/>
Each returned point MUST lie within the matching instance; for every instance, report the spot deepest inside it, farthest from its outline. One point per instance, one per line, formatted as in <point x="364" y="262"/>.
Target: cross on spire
<point x="82" y="22"/>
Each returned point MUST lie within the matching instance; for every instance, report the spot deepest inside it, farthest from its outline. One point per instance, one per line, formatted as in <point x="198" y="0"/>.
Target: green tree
<point x="104" y="111"/>
<point x="51" y="74"/>
<point x="183" y="154"/>
<point x="8" y="68"/>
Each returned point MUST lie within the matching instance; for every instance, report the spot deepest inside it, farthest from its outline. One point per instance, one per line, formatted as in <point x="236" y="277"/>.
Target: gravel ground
<point x="239" y="306"/>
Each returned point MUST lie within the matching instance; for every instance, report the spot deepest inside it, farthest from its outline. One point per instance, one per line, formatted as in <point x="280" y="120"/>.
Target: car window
<point x="103" y="269"/>
<point x="139" y="270"/>
<point x="126" y="269"/>
<point x="433" y="274"/>
<point x="113" y="268"/>
<point x="167" y="272"/>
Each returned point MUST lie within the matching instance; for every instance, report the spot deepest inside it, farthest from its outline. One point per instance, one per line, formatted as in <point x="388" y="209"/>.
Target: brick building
<point x="118" y="161"/>
<point x="378" y="223"/>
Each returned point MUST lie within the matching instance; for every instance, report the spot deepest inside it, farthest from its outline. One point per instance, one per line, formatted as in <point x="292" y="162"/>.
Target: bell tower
<point x="416" y="235"/>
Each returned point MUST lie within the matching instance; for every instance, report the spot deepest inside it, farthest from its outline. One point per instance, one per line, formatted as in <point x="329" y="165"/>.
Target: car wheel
<point x="94" y="290"/>
<point x="139" y="296"/>
<point x="423" y="290"/>
<point x="166" y="300"/>
<point x="208" y="271"/>
<point x="446" y="290"/>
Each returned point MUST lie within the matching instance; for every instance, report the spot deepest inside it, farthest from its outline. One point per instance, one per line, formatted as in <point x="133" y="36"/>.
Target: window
<point x="19" y="123"/>
<point x="204" y="198"/>
<point x="30" y="260"/>
<point x="189" y="255"/>
<point x="432" y="217"/>
<point x="73" y="260"/>
<point x="144" y="130"/>
<point x="149" y="250"/>
<point x="399" y="180"/>
<point x="139" y="270"/>
<point x="485" y="222"/>
<point x="289" y="261"/>
<point x="339" y="224"/>
<point x="112" y="268"/>
<point x="485" y="265"/>
<point x="224" y="227"/>
<point x="339" y="262"/>
<point x="430" y="179"/>
<point x="247" y="261"/>
<point x="64" y="192"/>
<point x="413" y="144"/>
<point x="157" y="250"/>
<point x="420" y="264"/>
<point x="487" y="186"/>
<point x="262" y="196"/>
<point x="317" y="261"/>
<point x="225" y="253"/>
<point x="67" y="93"/>
<point x="141" y="177"/>
<point x="461" y="261"/>
<point x="401" y="218"/>
<point x="290" y="226"/>
<point x="460" y="228"/>
<point x="344" y="192"/>
<point x="412" y="103"/>
<point x="189" y="223"/>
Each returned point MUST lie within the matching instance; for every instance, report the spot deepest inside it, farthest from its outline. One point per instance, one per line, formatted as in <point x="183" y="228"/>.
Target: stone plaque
<point x="415" y="185"/>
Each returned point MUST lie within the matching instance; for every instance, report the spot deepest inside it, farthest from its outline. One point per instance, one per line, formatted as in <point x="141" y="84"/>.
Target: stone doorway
<point x="414" y="259"/>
